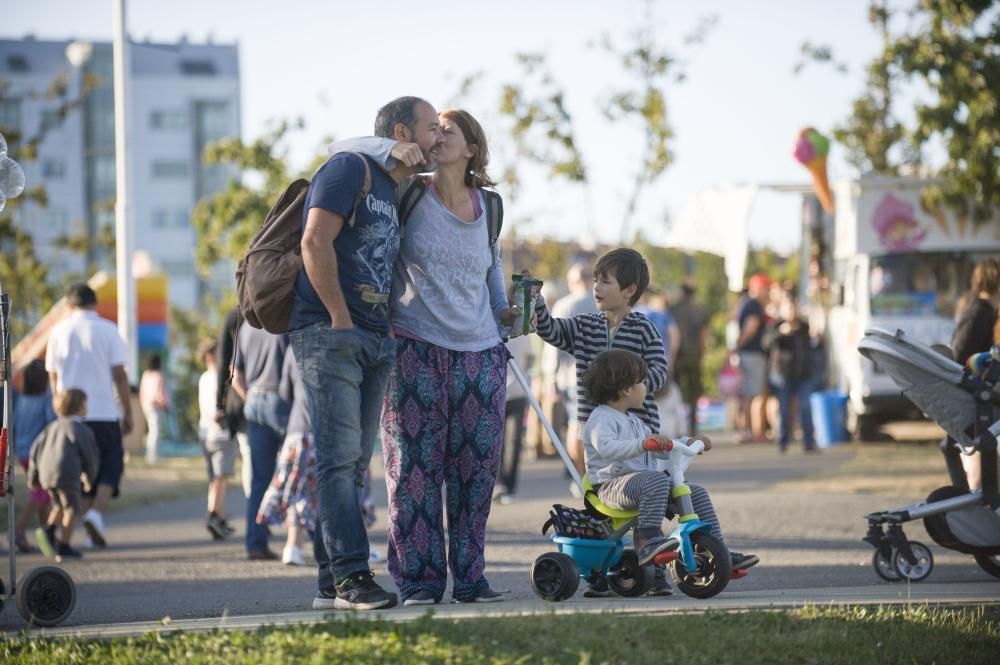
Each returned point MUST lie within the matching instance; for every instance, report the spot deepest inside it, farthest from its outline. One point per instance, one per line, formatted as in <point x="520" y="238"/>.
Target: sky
<point x="735" y="117"/>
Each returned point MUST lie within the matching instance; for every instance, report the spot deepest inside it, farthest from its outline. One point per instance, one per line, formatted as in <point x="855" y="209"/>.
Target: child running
<point x="620" y="278"/>
<point x="63" y="454"/>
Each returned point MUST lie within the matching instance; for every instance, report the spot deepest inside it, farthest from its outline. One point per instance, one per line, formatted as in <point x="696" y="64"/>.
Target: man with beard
<point x="339" y="331"/>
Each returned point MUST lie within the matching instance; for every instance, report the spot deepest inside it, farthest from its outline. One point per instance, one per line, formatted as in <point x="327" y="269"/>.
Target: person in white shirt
<point x="217" y="444"/>
<point x="87" y="353"/>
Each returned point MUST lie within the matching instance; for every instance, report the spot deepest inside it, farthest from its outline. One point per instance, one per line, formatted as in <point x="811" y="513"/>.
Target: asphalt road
<point x="161" y="562"/>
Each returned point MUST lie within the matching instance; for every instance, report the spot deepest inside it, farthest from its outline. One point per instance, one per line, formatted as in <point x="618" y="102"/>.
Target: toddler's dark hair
<point x="627" y="267"/>
<point x="611" y="373"/>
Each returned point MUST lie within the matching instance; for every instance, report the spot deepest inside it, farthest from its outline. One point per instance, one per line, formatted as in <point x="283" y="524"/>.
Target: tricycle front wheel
<point x="714" y="567"/>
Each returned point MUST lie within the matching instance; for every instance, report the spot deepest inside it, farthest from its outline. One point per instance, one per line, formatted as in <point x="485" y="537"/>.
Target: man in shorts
<point x="752" y="321"/>
<point x="217" y="443"/>
<point x="87" y="353"/>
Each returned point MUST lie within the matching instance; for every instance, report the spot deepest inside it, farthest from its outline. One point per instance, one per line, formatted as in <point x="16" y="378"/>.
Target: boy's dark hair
<point x="627" y="267"/>
<point x="611" y="373"/>
<point x="36" y="379"/>
<point x="81" y="295"/>
<point x="400" y="111"/>
<point x="70" y="402"/>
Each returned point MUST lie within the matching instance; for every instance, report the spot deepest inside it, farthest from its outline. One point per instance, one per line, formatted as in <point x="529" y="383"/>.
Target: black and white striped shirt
<point x="586" y="335"/>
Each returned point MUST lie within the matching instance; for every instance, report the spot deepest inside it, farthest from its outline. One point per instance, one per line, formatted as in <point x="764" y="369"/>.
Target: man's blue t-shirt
<point x="752" y="307"/>
<point x="366" y="250"/>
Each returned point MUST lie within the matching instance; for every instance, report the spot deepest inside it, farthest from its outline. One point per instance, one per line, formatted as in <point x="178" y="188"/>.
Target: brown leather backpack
<point x="265" y="277"/>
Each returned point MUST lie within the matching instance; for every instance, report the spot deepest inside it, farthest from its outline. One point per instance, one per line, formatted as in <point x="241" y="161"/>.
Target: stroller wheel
<point x="46" y="596"/>
<point x="883" y="566"/>
<point x="554" y="576"/>
<point x="917" y="570"/>
<point x="989" y="563"/>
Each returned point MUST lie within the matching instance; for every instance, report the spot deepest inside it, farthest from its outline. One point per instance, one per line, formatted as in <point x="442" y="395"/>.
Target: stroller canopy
<point x="927" y="378"/>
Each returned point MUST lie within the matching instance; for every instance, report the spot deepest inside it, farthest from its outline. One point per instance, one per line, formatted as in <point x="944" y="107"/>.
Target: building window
<point x="182" y="218"/>
<point x="55" y="222"/>
<point x="51" y="119"/>
<point x="183" y="268"/>
<point x="198" y="67"/>
<point x="17" y="63"/>
<point x="166" y="169"/>
<point x="53" y="168"/>
<point x="160" y="218"/>
<point x="168" y="120"/>
<point x="10" y="115"/>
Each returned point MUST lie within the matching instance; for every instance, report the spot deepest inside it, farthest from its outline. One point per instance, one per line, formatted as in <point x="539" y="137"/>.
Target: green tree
<point x="541" y="124"/>
<point x="23" y="274"/>
<point x="951" y="50"/>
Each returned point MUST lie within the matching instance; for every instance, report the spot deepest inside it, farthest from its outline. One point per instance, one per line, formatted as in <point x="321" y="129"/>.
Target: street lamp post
<point x="123" y="214"/>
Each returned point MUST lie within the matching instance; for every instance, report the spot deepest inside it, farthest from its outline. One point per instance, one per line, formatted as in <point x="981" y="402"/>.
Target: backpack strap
<point x="410" y="198"/>
<point x="494" y="215"/>
<point x="366" y="186"/>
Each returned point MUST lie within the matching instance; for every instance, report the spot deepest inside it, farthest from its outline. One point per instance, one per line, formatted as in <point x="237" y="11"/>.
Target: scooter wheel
<point x="917" y="570"/>
<point x="46" y="596"/>
<point x="883" y="566"/>
<point x="554" y="577"/>
<point x="714" y="567"/>
<point x="628" y="578"/>
<point x="989" y="563"/>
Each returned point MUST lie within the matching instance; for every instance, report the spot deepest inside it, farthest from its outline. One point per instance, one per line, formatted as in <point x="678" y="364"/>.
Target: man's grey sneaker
<point x="655" y="546"/>
<point x="421" y="597"/>
<point x="741" y="561"/>
<point x="661" y="587"/>
<point x="598" y="589"/>
<point x="358" y="591"/>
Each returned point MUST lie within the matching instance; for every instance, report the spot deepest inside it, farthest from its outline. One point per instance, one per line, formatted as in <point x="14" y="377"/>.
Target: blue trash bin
<point x="829" y="412"/>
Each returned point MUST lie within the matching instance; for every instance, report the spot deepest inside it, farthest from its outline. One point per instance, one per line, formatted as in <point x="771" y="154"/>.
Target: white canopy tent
<point x="716" y="219"/>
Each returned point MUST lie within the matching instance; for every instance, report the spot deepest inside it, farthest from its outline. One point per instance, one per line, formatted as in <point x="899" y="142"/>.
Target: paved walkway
<point x="162" y="563"/>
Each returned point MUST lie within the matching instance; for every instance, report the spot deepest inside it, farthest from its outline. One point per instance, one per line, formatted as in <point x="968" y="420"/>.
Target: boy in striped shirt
<point x="620" y="278"/>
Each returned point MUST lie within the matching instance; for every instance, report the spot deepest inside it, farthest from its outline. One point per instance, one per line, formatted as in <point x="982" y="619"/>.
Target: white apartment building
<point x="182" y="96"/>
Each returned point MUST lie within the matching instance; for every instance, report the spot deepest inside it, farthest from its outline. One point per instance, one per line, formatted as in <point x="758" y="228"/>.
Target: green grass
<point x="810" y="635"/>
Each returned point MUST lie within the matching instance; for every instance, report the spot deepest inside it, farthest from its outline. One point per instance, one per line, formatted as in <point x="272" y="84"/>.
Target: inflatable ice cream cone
<point x="811" y="150"/>
<point x="821" y="183"/>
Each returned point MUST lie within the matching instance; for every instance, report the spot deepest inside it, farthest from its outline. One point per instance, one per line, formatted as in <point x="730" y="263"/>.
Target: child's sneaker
<point x="655" y="546"/>
<point x="64" y="551"/>
<point x="598" y="589"/>
<point x="292" y="556"/>
<point x="661" y="587"/>
<point x="46" y="541"/>
<point x="93" y="522"/>
<point x="742" y="561"/>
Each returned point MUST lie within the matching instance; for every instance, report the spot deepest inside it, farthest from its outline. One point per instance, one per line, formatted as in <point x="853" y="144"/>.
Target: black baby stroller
<point x="967" y="407"/>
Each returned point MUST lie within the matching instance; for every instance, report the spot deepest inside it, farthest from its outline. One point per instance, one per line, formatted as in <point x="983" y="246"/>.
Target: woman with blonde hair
<point x="443" y="416"/>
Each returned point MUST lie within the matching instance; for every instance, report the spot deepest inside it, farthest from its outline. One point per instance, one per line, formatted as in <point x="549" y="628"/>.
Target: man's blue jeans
<point x="267" y="418"/>
<point x="345" y="373"/>
<point x="799" y="391"/>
